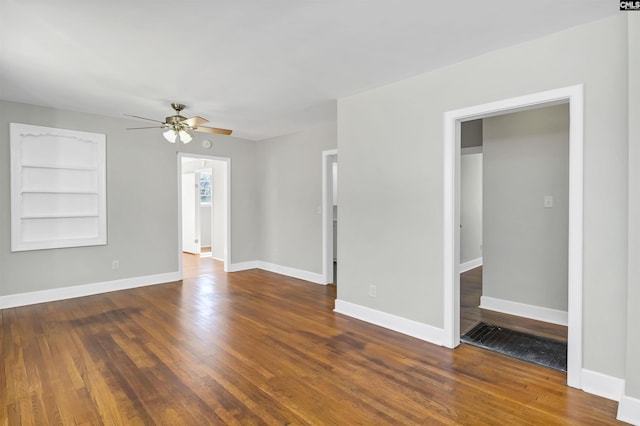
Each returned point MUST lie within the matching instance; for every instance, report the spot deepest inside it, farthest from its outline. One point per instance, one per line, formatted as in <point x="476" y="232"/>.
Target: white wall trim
<point x="278" y="269"/>
<point x="292" y="272"/>
<point x="327" y="217"/>
<point x="471" y="264"/>
<point x="602" y="385"/>
<point x="524" y="310"/>
<point x="629" y="410"/>
<point x="451" y="186"/>
<point x="406" y="326"/>
<point x="62" y="293"/>
<point x="242" y="266"/>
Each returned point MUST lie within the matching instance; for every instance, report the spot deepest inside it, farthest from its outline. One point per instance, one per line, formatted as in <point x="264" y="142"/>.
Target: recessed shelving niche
<point x="58" y="188"/>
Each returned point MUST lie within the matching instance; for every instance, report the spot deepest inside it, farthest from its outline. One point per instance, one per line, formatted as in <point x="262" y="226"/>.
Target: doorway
<point x="572" y="95"/>
<point x="513" y="221"/>
<point x="330" y="216"/>
<point x="204" y="200"/>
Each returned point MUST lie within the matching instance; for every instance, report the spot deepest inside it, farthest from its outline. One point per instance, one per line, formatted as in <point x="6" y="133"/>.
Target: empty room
<point x="176" y="246"/>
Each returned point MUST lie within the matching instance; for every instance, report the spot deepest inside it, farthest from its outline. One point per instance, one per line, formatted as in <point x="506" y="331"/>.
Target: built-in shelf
<point x="42" y="191"/>
<point x="59" y="167"/>
<point x="58" y="188"/>
<point x="60" y="216"/>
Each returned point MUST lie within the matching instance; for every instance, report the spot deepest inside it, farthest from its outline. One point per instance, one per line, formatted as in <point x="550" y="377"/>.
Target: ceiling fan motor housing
<point x="175" y="119"/>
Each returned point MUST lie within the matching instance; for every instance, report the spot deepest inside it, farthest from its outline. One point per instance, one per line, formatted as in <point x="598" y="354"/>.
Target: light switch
<point x="548" y="201"/>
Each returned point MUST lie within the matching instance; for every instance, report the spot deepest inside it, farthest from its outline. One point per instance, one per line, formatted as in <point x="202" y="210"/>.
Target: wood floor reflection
<point x="255" y="347"/>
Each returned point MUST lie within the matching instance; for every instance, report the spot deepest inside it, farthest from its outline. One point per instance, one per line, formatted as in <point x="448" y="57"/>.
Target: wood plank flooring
<point x="471" y="314"/>
<point x="258" y="348"/>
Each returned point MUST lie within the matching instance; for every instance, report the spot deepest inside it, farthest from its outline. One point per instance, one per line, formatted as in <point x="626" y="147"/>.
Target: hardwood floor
<point x="470" y="313"/>
<point x="255" y="347"/>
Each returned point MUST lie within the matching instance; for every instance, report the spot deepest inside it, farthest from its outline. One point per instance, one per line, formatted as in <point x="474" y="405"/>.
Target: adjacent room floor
<point x="471" y="314"/>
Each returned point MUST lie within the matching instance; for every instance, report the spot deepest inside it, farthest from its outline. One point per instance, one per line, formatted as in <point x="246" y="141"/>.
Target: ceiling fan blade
<point x="212" y="130"/>
<point x="152" y="127"/>
<point x="144" y="118"/>
<point x="194" y="121"/>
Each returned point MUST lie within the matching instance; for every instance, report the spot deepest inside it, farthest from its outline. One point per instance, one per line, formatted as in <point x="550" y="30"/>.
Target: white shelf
<point x="59" y="167"/>
<point x="41" y="191"/>
<point x="59" y="216"/>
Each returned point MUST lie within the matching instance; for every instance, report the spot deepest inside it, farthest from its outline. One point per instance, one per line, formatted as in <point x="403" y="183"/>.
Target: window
<point x="57" y="188"/>
<point x="205" y="186"/>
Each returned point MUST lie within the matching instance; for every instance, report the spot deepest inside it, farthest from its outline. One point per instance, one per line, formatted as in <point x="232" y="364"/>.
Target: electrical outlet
<point x="115" y="264"/>
<point x="372" y="290"/>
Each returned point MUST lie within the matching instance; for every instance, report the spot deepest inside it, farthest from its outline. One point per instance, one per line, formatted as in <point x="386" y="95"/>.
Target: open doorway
<point x="514" y="184"/>
<point x="572" y="95"/>
<point x="204" y="199"/>
<point x="330" y="216"/>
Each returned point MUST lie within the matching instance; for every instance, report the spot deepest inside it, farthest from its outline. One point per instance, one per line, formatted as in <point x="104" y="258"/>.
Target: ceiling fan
<point x="179" y="127"/>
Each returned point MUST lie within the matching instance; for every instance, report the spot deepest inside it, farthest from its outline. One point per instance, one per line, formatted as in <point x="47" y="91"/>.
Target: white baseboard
<point x="629" y="410"/>
<point x="23" y="299"/>
<point x="523" y="310"/>
<point x="602" y="385"/>
<point x="31" y="298"/>
<point x="242" y="266"/>
<point x="292" y="272"/>
<point x="412" y="328"/>
<point x="278" y="269"/>
<point x="471" y="264"/>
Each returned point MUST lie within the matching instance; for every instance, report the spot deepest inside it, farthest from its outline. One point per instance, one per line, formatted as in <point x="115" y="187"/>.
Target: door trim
<point x="191" y="245"/>
<point x="452" y="119"/>
<point x="227" y="250"/>
<point x="327" y="216"/>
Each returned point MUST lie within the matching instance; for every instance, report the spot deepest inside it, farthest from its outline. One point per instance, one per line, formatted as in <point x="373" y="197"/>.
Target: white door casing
<point x="452" y="119"/>
<point x="224" y="189"/>
<point x="328" y="158"/>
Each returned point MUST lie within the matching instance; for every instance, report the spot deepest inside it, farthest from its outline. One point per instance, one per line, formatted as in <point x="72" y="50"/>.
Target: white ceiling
<point x="262" y="68"/>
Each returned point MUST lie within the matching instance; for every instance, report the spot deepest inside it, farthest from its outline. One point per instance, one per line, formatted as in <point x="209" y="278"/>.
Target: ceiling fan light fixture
<point x="185" y="136"/>
<point x="179" y="127"/>
<point x="170" y="135"/>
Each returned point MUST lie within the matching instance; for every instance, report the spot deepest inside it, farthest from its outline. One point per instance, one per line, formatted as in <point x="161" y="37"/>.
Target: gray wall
<point x="470" y="207"/>
<point x="291" y="193"/>
<point x="633" y="299"/>
<point x="245" y="215"/>
<point x="525" y="256"/>
<point x="471" y="133"/>
<point x="142" y="205"/>
<point x="391" y="177"/>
